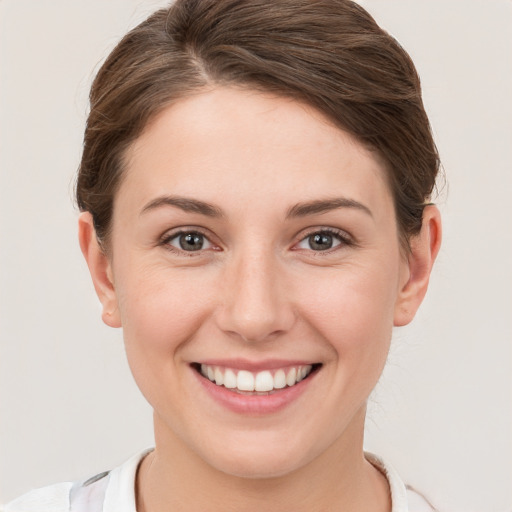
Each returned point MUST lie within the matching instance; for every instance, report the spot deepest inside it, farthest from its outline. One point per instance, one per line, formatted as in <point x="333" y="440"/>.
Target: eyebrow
<point x="325" y="205"/>
<point x="299" y="210"/>
<point x="184" y="203"/>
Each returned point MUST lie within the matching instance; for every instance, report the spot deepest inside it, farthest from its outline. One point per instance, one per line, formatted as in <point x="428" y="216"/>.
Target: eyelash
<point x="166" y="239"/>
<point x="341" y="236"/>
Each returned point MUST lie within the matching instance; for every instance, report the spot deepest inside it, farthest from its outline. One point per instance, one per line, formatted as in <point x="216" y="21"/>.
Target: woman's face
<point x="253" y="244"/>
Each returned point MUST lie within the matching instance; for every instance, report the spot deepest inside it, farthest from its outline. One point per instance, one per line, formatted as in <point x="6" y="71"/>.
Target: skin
<point x="257" y="291"/>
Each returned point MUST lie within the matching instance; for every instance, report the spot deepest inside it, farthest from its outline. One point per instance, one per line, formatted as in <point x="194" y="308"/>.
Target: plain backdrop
<point x="442" y="413"/>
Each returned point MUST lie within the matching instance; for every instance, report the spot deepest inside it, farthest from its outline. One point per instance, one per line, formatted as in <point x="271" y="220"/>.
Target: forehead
<point x="232" y="143"/>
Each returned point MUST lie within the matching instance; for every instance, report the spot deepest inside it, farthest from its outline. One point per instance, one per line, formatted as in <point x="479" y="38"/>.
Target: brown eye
<point x="189" y="241"/>
<point x="324" y="240"/>
<point x="320" y="241"/>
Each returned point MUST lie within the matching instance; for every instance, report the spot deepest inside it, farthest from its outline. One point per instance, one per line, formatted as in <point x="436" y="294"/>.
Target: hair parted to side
<point x="330" y="54"/>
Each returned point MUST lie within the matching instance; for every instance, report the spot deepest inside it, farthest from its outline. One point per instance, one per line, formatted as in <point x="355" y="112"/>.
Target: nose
<point x="256" y="306"/>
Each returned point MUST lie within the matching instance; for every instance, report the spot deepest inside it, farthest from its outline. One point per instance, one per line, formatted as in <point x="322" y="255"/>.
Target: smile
<point x="264" y="382"/>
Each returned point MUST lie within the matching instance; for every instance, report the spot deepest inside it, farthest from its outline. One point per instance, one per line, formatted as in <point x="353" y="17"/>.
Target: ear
<point x="100" y="268"/>
<point x="423" y="251"/>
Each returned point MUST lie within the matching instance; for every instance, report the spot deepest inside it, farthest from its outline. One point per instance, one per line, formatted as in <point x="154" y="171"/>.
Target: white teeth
<point x="229" y="379"/>
<point x="280" y="379"/>
<point x="245" y="381"/>
<point x="219" y="377"/>
<point x="291" y="377"/>
<point x="261" y="382"/>
<point x="264" y="381"/>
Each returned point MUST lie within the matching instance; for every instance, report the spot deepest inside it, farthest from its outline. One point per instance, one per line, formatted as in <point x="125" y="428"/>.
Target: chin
<point x="258" y="459"/>
<point x="262" y="467"/>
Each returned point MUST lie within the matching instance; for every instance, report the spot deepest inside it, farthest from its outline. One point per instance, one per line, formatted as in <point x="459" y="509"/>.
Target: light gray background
<point x="442" y="412"/>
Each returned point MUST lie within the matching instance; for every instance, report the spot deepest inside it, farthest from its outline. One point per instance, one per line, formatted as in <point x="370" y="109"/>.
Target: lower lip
<point x="255" y="404"/>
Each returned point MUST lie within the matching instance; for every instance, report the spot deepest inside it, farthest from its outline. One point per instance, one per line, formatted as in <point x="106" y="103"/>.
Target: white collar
<point x="118" y="487"/>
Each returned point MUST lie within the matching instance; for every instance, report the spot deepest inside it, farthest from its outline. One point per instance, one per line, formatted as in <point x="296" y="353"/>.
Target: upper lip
<point x="254" y="366"/>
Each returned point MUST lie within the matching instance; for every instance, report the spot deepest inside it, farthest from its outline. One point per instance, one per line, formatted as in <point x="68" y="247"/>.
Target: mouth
<point x="260" y="383"/>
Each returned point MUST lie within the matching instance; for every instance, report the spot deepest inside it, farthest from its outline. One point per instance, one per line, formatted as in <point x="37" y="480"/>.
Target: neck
<point x="174" y="478"/>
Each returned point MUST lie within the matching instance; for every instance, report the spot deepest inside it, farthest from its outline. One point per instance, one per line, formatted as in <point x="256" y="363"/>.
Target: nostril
<point x="260" y="336"/>
<point x="256" y="307"/>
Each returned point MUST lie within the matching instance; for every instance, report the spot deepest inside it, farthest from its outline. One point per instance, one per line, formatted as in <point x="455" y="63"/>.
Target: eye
<point x="323" y="240"/>
<point x="190" y="241"/>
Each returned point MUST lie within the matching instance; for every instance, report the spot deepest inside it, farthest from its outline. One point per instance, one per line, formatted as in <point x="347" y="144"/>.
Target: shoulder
<point x="53" y="498"/>
<point x="109" y="491"/>
<point x="404" y="498"/>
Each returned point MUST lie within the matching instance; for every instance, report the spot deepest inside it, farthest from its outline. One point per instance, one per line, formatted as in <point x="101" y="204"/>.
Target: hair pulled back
<point x="330" y="54"/>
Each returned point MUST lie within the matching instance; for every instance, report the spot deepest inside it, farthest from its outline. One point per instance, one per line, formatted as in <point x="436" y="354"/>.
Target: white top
<point x="114" y="491"/>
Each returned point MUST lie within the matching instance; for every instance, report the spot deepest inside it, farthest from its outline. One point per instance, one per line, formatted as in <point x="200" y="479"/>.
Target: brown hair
<point x="330" y="54"/>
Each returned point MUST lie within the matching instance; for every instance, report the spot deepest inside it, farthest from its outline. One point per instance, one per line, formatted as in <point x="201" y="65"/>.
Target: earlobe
<point x="100" y="268"/>
<point x="424" y="249"/>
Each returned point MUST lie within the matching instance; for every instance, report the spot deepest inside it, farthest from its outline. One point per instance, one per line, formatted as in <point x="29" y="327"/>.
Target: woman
<point x="255" y="188"/>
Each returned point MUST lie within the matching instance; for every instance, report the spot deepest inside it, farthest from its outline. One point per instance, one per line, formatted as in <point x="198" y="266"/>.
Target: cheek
<point x="161" y="309"/>
<point x="353" y="299"/>
<point x="352" y="310"/>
